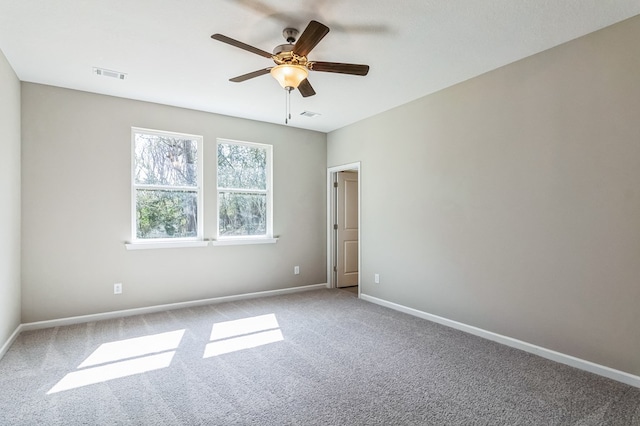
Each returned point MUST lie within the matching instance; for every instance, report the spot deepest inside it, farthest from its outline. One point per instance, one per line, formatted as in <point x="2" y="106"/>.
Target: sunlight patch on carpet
<point x="245" y="333"/>
<point x="123" y="358"/>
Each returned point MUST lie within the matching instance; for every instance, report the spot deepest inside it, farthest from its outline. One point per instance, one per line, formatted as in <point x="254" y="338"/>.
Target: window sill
<point x="164" y="244"/>
<point x="243" y="241"/>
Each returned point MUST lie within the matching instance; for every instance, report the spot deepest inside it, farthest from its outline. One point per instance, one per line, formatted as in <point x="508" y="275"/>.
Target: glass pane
<point x="162" y="160"/>
<point x="242" y="167"/>
<point x="166" y="214"/>
<point x="242" y="214"/>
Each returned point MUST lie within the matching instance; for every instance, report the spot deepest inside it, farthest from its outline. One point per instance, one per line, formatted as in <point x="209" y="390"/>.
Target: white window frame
<point x="247" y="239"/>
<point x="198" y="240"/>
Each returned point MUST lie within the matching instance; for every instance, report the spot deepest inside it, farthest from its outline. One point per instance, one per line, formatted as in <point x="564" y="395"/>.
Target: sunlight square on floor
<point x="245" y="333"/>
<point x="122" y="358"/>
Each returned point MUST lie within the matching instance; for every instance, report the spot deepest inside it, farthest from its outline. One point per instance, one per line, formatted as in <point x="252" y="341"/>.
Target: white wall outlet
<point x="296" y="270"/>
<point x="376" y="278"/>
<point x="117" y="288"/>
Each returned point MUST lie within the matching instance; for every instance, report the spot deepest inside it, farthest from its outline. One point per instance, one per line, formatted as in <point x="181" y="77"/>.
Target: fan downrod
<point x="290" y="34"/>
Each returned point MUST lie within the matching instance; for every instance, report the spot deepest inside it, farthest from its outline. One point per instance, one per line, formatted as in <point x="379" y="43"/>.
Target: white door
<point x="347" y="229"/>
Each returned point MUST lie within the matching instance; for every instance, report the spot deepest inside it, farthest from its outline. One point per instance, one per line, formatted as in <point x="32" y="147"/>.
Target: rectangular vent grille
<point x="109" y="73"/>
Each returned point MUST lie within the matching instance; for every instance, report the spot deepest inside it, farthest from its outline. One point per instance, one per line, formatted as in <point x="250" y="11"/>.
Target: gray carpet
<point x="341" y="361"/>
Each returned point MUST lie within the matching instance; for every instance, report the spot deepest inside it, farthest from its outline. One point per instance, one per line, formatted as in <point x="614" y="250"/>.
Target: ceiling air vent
<point x="310" y="114"/>
<point x="109" y="73"/>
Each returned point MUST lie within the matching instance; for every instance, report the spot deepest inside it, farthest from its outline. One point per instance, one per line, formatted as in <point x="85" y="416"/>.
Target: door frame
<point x="331" y="217"/>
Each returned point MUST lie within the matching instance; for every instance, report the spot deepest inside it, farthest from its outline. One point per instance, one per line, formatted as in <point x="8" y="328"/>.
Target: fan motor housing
<point x="282" y="48"/>
<point x="284" y="54"/>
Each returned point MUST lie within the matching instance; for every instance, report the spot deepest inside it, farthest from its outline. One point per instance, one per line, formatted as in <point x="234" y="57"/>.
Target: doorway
<point x="343" y="227"/>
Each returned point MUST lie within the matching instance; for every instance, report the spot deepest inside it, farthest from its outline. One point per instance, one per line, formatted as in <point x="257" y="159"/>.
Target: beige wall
<point x="76" y="208"/>
<point x="10" y="204"/>
<point x="511" y="202"/>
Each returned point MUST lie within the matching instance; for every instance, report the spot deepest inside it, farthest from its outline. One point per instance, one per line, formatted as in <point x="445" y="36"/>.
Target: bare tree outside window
<point x="243" y="195"/>
<point x="165" y="179"/>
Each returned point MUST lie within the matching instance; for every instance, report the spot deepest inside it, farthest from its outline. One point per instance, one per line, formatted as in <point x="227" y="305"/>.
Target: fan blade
<point x="247" y="76"/>
<point x="241" y="45"/>
<point x="310" y="37"/>
<point x="305" y="89"/>
<point x="338" y="67"/>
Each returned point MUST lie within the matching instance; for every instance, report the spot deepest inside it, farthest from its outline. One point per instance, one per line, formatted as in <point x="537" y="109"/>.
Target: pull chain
<point x="288" y="105"/>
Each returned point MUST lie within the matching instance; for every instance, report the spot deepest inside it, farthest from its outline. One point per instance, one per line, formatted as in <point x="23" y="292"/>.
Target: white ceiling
<point x="414" y="47"/>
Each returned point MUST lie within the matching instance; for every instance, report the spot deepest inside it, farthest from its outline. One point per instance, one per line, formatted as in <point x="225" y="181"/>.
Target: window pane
<point x="242" y="214"/>
<point x="166" y="214"/>
<point x="242" y="167"/>
<point x="162" y="160"/>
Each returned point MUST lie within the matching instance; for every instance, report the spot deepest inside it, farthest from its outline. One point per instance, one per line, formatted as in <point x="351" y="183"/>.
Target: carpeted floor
<point x="313" y="358"/>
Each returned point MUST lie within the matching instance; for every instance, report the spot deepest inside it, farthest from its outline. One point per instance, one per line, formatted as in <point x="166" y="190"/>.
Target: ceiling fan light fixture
<point x="289" y="76"/>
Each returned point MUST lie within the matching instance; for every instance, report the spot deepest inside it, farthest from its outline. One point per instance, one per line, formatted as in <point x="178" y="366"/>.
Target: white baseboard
<point x="10" y="340"/>
<point x="569" y="360"/>
<point x="159" y="308"/>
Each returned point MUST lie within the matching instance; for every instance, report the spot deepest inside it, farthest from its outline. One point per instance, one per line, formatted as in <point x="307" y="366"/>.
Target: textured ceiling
<point x="414" y="47"/>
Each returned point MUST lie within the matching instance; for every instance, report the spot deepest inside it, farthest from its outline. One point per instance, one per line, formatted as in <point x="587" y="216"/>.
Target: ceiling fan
<point x="292" y="64"/>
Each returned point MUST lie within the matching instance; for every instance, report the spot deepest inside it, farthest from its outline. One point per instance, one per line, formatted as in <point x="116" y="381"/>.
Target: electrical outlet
<point x="117" y="288"/>
<point x="376" y="278"/>
<point x="296" y="270"/>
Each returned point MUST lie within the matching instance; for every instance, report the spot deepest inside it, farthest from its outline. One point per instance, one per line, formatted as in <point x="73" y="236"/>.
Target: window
<point x="167" y="186"/>
<point x="244" y="190"/>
